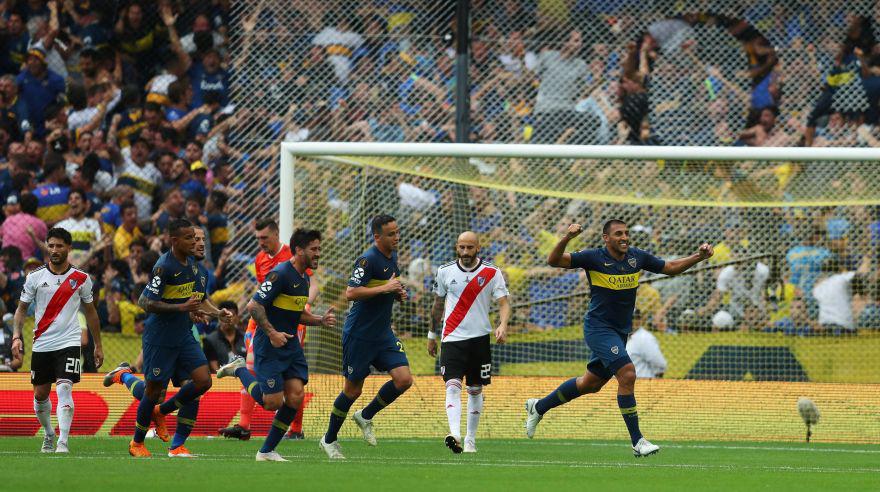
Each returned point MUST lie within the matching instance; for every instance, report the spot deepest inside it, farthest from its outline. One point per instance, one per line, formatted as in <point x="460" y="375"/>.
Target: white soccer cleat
<point x="48" y="444"/>
<point x="229" y="369"/>
<point x="532" y="417"/>
<point x="470" y="446"/>
<point x="270" y="456"/>
<point x="333" y="450"/>
<point x="366" y="427"/>
<point x="61" y="447"/>
<point x="645" y="448"/>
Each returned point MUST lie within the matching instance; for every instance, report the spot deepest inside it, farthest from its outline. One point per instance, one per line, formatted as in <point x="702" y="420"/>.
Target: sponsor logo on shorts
<point x="156" y="371"/>
<point x="350" y="369"/>
<point x="615" y="350"/>
<point x="270" y="383"/>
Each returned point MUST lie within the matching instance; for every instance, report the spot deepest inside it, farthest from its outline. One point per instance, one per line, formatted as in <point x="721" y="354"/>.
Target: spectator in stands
<point x="834" y="292"/>
<point x="39" y="87"/>
<point x="805" y="263"/>
<point x="739" y="292"/>
<point x="644" y="350"/>
<point x="127" y="231"/>
<point x="227" y="341"/>
<point x="86" y="232"/>
<point x="9" y="361"/>
<point x="11" y="277"/>
<point x="24" y="230"/>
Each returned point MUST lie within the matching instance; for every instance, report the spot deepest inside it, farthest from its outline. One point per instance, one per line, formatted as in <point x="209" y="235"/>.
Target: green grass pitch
<point x="104" y="464"/>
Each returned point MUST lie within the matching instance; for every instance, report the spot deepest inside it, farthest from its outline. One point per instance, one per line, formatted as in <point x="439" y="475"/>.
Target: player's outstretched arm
<point x="558" y="257"/>
<point x="359" y="293"/>
<point x="327" y="321"/>
<point x="674" y="267"/>
<point x="209" y="309"/>
<point x="94" y="324"/>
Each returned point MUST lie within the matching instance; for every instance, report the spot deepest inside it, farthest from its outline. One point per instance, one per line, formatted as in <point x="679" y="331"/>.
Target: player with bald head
<point x="463" y="289"/>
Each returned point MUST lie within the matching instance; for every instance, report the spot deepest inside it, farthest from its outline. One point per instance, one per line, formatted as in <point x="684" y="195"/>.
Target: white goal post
<point x="290" y="151"/>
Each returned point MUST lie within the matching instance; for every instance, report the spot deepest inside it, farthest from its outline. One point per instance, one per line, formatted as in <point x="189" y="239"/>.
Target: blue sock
<point x="627" y="404"/>
<point x="186" y="420"/>
<point x="186" y="394"/>
<point x="134" y="385"/>
<point x="144" y="417"/>
<point x="283" y="417"/>
<point x="250" y="384"/>
<point x="566" y="392"/>
<point x="337" y="416"/>
<point x="387" y="394"/>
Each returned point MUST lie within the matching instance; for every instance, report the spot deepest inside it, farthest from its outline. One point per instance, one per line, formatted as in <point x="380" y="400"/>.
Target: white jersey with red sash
<point x="58" y="299"/>
<point x="468" y="293"/>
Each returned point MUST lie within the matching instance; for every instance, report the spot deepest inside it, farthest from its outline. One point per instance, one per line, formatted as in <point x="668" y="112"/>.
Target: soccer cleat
<point x="333" y="450"/>
<point x="61" y="447"/>
<point x="295" y="436"/>
<point x="366" y="427"/>
<point x="453" y="443"/>
<point x="270" y="456"/>
<point x="161" y="428"/>
<point x="532" y="417"/>
<point x="113" y="376"/>
<point x="470" y="446"/>
<point x="138" y="450"/>
<point x="235" y="432"/>
<point x="180" y="452"/>
<point x="229" y="369"/>
<point x="645" y="448"/>
<point x="48" y="444"/>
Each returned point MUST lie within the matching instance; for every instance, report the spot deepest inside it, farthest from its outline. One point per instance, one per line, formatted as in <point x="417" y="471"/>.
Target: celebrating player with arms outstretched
<point x="279" y="307"/>
<point x="367" y="338"/>
<point x="613" y="273"/>
<point x="59" y="290"/>
<point x="463" y="290"/>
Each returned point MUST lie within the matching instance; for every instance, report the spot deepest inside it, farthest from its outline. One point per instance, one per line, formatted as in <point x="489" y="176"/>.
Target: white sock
<point x="43" y="410"/>
<point x="453" y="406"/>
<point x="64" y="389"/>
<point x="474" y="409"/>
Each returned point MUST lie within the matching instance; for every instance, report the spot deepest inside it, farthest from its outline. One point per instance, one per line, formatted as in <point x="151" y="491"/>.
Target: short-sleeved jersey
<point x="284" y="294"/>
<point x="613" y="284"/>
<point x="264" y="263"/>
<point x="468" y="293"/>
<point x="57" y="298"/>
<point x="172" y="282"/>
<point x="370" y="319"/>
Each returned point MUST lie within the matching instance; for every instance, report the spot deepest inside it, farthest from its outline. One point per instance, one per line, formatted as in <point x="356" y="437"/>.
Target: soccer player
<point x="59" y="290"/>
<point x="613" y="273"/>
<point x="463" y="290"/>
<point x="170" y="351"/>
<point x="279" y="307"/>
<point x="272" y="253"/>
<point x="367" y="338"/>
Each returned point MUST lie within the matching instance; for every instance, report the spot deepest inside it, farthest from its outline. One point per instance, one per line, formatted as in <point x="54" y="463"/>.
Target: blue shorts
<point x="174" y="363"/>
<point x="608" y="350"/>
<point x="359" y="355"/>
<point x="274" y="369"/>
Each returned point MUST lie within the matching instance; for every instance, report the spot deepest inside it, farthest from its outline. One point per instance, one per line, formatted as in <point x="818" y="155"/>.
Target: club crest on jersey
<point x="195" y="269"/>
<point x="615" y="350"/>
<point x="481" y="281"/>
<point x="203" y="281"/>
<point x="270" y="383"/>
<point x="632" y="262"/>
<point x="156" y="371"/>
<point x="72" y="283"/>
<point x="363" y="262"/>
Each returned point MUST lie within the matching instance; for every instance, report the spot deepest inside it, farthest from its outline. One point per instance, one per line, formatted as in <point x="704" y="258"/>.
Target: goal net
<point x="788" y="307"/>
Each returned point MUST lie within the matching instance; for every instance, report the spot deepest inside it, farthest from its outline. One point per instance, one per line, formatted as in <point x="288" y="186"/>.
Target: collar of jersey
<point x="474" y="269"/>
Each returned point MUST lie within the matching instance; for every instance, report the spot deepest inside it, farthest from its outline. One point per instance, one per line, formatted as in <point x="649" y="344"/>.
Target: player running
<point x="278" y="306"/>
<point x="463" y="290"/>
<point x="170" y="351"/>
<point x="59" y="290"/>
<point x="367" y="338"/>
<point x="613" y="273"/>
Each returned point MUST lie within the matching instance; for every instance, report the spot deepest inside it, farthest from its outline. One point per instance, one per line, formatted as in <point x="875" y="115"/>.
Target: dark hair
<point x="122" y="267"/>
<point x="264" y="223"/>
<point x="175" y="228"/>
<point x="125" y="206"/>
<point x="177" y="91"/>
<point x="59" y="233"/>
<point x="197" y="197"/>
<point x="81" y="193"/>
<point x="379" y="221"/>
<point x="14" y="260"/>
<point x="140" y="241"/>
<point x="53" y="163"/>
<point x="302" y="237"/>
<point x="168" y="133"/>
<point x="29" y="203"/>
<point x="219" y="199"/>
<point x="230" y="305"/>
<point x="76" y="96"/>
<point x="148" y="259"/>
<point x="90" y="167"/>
<point x="152" y="106"/>
<point x="212" y="97"/>
<point x="607" y="226"/>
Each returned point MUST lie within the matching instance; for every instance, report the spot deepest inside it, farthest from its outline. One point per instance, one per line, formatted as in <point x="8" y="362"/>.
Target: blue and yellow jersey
<point x="613" y="284"/>
<point x="172" y="282"/>
<point x="132" y="122"/>
<point x="284" y="294"/>
<point x="218" y="230"/>
<point x="370" y="319"/>
<point x="51" y="202"/>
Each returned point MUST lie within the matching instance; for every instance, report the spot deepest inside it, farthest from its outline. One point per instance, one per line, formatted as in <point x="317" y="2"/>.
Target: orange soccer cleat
<point x="161" y="428"/>
<point x="180" y="452"/>
<point x="138" y="450"/>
